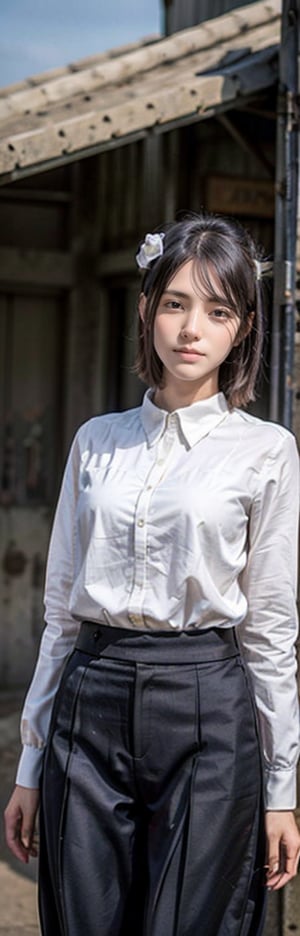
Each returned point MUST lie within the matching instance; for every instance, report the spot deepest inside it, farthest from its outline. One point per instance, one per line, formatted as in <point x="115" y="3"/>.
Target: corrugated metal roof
<point x="154" y="84"/>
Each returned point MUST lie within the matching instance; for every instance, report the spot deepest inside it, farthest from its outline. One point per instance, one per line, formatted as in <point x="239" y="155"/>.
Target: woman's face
<point x="193" y="333"/>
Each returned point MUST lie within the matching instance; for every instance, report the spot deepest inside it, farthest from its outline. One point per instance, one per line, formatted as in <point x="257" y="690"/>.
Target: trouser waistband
<point x="213" y="643"/>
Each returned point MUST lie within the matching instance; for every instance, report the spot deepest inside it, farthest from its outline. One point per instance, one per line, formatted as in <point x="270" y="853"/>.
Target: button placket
<point x="141" y="546"/>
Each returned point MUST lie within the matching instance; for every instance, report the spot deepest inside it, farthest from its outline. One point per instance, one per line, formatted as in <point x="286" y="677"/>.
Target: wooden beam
<point x="198" y="95"/>
<point x="68" y="158"/>
<point x="36" y="268"/>
<point x="117" y="261"/>
<point x="252" y="149"/>
<point x="34" y="195"/>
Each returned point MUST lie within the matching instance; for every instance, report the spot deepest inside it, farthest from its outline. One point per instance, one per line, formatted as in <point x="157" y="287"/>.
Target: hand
<point x="19" y="822"/>
<point x="283" y="847"/>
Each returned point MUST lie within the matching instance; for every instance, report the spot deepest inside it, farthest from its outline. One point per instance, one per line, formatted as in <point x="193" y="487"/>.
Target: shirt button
<point x="141" y="523"/>
<point x="160" y="461"/>
<point x="132" y="618"/>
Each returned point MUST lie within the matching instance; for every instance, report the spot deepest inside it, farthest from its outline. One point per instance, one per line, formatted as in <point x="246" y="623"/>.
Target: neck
<point x="174" y="396"/>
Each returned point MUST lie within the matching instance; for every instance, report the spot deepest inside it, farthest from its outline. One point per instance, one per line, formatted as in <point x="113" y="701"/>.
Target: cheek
<point x="156" y="340"/>
<point x="160" y="333"/>
<point x="236" y="332"/>
<point x="228" y="339"/>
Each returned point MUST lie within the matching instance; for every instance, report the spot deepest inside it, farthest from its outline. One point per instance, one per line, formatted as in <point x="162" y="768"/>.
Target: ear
<point x="142" y="306"/>
<point x="245" y="329"/>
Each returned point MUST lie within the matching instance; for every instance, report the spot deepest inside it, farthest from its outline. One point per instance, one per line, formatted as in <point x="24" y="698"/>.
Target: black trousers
<point x="151" y="816"/>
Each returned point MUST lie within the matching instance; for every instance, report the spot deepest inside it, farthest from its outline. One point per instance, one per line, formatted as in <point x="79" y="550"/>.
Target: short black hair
<point x="222" y="248"/>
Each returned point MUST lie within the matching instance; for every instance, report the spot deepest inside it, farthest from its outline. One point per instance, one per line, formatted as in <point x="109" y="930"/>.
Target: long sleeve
<point x="269" y="631"/>
<point x="137" y="541"/>
<point x="59" y="634"/>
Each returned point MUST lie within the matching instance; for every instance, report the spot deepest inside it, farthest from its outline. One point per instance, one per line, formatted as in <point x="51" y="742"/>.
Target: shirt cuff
<point x="281" y="789"/>
<point x="30" y="766"/>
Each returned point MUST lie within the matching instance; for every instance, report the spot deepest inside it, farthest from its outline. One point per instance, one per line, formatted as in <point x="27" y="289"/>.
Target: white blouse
<point x="178" y="520"/>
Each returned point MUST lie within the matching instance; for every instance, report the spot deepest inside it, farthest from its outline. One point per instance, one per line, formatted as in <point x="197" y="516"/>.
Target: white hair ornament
<point x="151" y="249"/>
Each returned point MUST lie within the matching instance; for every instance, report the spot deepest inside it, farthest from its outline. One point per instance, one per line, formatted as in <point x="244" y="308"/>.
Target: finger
<point x="272" y="848"/>
<point x="12" y="822"/>
<point x="286" y="872"/>
<point x="291" y="863"/>
<point x="280" y="880"/>
<point x="34" y="848"/>
<point x="27" y="831"/>
<point x="272" y="865"/>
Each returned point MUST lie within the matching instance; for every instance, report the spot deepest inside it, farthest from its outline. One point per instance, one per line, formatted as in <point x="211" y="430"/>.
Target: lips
<point x="192" y="351"/>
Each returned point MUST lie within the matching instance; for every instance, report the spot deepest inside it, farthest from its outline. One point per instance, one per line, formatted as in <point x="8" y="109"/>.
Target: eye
<point x="221" y="313"/>
<point x="173" y="304"/>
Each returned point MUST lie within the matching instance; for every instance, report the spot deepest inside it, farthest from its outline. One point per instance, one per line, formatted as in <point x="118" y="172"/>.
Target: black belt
<point x="162" y="646"/>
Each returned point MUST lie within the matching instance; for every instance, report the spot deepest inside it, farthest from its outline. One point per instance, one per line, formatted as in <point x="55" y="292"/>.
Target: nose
<point x="191" y="327"/>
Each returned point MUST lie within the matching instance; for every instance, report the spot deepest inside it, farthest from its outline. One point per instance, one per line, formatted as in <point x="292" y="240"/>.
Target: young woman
<point x="170" y="592"/>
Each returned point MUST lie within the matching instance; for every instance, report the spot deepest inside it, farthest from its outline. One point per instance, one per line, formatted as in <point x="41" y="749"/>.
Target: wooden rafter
<point x="150" y="86"/>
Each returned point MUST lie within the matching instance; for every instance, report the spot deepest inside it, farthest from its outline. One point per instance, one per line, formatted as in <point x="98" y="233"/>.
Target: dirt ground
<point x="18" y="913"/>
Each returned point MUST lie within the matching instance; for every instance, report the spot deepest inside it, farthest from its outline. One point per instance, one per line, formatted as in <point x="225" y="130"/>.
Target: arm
<point x="60" y="631"/>
<point x="268" y="637"/>
<point x="57" y="641"/>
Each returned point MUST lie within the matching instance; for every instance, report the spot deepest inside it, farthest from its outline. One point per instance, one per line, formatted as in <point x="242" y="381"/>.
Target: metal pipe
<point x="282" y="350"/>
<point x="291" y="144"/>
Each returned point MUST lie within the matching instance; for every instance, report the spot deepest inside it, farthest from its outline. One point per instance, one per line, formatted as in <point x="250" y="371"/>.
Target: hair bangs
<point x="207" y="282"/>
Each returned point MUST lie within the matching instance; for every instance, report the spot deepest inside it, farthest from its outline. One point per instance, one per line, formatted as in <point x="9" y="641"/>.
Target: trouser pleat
<point x="151" y="815"/>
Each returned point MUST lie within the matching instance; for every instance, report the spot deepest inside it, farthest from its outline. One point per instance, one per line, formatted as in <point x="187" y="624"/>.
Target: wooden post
<point x="84" y="345"/>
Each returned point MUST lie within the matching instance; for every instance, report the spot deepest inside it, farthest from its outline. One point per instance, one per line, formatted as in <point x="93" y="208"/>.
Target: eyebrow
<point x="175" y="292"/>
<point x="212" y="299"/>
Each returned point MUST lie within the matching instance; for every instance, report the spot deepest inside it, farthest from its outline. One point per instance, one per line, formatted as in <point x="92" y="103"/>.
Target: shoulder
<point x="268" y="450"/>
<point x="270" y="437"/>
<point x="108" y="427"/>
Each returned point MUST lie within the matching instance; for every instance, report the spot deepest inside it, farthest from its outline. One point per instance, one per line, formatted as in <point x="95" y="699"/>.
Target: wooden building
<point x="91" y="157"/>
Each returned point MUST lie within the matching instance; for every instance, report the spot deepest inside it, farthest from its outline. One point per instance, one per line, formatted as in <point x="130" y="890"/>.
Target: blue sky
<point x="36" y="35"/>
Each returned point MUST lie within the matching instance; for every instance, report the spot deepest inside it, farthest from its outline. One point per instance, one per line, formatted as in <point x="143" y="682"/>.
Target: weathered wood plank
<point x="66" y="159"/>
<point x="198" y="96"/>
<point x="170" y="174"/>
<point x="79" y="65"/>
<point x="84" y="351"/>
<point x="125" y="67"/>
<point x="240" y="196"/>
<point x="149" y="82"/>
<point x="116" y="261"/>
<point x="34" y="195"/>
<point x="36" y="268"/>
<point x="131" y="191"/>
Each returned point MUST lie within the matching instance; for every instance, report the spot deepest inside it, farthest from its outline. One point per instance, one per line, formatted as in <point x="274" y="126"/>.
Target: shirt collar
<point x="195" y="421"/>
